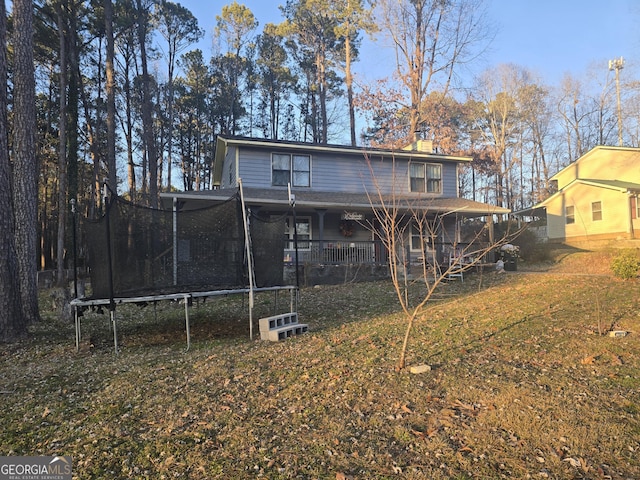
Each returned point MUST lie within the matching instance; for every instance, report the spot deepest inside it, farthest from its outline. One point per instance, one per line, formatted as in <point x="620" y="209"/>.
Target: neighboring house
<point x="336" y="189"/>
<point x="596" y="198"/>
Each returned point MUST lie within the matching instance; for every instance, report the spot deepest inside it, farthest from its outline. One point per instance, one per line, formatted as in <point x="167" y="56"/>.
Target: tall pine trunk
<point x="12" y="321"/>
<point x="111" y="95"/>
<point x="62" y="148"/>
<point x="25" y="171"/>
<point x="147" y="117"/>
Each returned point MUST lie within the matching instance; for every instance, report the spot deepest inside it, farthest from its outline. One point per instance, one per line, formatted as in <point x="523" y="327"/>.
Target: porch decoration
<point x="346" y="228"/>
<point x="509" y="255"/>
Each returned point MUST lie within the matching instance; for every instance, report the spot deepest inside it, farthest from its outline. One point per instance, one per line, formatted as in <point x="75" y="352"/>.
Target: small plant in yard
<point x="626" y="264"/>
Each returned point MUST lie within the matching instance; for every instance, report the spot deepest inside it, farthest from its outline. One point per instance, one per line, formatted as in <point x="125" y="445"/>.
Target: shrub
<point x="532" y="249"/>
<point x="626" y="264"/>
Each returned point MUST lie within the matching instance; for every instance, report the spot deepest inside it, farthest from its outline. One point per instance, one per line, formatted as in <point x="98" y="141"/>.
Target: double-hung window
<point x="290" y="169"/>
<point x="425" y="177"/>
<point x="596" y="211"/>
<point x="570" y="214"/>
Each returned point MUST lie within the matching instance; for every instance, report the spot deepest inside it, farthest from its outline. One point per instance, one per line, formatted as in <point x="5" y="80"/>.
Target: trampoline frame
<point x="187" y="297"/>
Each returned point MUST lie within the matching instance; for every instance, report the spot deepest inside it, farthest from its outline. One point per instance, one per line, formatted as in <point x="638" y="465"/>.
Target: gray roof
<point x="344" y="200"/>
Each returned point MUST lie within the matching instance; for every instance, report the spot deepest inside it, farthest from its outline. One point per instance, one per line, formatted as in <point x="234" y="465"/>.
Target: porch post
<point x="490" y="227"/>
<point x="321" y="212"/>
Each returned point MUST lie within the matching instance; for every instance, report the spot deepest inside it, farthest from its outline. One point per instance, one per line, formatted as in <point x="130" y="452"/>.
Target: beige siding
<point x="615" y="213"/>
<point x="603" y="163"/>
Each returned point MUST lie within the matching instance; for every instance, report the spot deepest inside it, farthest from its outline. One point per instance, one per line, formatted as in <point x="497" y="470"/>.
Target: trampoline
<point x="141" y="255"/>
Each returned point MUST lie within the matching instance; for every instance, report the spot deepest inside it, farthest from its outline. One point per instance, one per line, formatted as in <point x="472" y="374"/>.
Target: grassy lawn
<point x="522" y="385"/>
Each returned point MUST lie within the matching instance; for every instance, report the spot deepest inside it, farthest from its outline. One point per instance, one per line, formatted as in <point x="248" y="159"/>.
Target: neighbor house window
<point x="290" y="169"/>
<point x="304" y="233"/>
<point x="425" y="177"/>
<point x="570" y="214"/>
<point x="596" y="211"/>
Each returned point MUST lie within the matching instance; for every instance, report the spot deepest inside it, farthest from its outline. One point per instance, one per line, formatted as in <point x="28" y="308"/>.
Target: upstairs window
<point x="596" y="211"/>
<point x="570" y="214"/>
<point x="290" y="169"/>
<point x="425" y="177"/>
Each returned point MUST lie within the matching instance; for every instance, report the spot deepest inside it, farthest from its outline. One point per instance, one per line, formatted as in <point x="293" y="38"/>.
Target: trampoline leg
<point x="186" y="321"/>
<point x="115" y="332"/>
<point x="275" y="302"/>
<point x="77" y="330"/>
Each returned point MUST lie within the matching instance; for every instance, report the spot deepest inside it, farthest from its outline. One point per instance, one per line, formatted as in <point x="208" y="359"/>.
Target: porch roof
<point x="340" y="201"/>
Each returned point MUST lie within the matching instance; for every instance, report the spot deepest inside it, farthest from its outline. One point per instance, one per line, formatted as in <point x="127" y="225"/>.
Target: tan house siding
<point x="608" y="175"/>
<point x="581" y="197"/>
<point x="611" y="163"/>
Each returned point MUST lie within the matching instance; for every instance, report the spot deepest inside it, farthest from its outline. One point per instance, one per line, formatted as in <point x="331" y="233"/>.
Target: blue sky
<point x="550" y="37"/>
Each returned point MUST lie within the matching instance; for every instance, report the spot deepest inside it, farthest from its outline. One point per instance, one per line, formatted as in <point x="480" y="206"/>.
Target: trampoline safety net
<point x="167" y="251"/>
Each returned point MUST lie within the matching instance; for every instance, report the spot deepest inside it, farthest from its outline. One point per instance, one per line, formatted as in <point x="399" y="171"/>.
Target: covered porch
<point x="331" y="236"/>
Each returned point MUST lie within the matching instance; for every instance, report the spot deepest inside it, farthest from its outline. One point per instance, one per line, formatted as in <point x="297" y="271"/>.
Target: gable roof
<point x="597" y="150"/>
<point x="341" y="200"/>
<point x="224" y="142"/>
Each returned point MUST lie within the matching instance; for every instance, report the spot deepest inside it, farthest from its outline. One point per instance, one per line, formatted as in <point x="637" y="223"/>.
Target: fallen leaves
<point x="506" y="395"/>
<point x="605" y="357"/>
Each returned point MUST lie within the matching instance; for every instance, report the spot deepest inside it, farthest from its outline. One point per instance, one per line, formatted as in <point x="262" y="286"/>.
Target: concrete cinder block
<point x="281" y="327"/>
<point x="278" y="321"/>
<point x="284" y="332"/>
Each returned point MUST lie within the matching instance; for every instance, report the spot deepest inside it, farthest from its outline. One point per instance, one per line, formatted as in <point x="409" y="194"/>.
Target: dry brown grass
<point x="522" y="386"/>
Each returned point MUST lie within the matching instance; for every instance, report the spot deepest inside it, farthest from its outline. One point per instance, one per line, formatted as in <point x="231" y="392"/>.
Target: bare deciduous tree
<point x="432" y="40"/>
<point x="397" y="219"/>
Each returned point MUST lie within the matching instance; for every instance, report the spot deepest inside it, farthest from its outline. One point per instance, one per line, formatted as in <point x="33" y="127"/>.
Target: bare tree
<point x="180" y="29"/>
<point x="397" y="220"/>
<point x="432" y="40"/>
<point x="500" y="92"/>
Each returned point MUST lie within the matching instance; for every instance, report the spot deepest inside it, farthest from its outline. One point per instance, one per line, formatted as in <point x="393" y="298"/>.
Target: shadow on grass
<point x="478" y="343"/>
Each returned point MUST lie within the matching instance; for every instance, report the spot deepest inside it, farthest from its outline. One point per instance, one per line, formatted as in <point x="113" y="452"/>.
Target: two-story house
<point x="334" y="190"/>
<point x="596" y="198"/>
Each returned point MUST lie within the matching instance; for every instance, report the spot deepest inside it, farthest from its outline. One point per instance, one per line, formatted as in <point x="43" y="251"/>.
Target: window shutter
<point x="634" y="207"/>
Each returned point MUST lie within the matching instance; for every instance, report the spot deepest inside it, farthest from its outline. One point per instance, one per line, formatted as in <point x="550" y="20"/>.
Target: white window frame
<point x="289" y="233"/>
<point x="423" y="180"/>
<point x="297" y="177"/>
<point x="596" y="211"/>
<point x="568" y="216"/>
